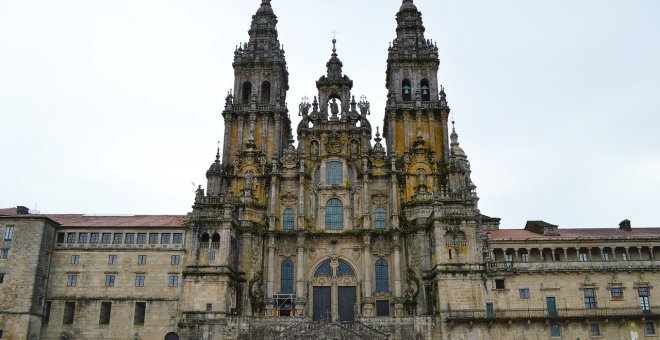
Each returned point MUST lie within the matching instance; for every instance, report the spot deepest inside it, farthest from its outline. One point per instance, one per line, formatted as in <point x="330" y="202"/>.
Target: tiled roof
<point x="583" y="234"/>
<point x="69" y="220"/>
<point x="8" y="212"/>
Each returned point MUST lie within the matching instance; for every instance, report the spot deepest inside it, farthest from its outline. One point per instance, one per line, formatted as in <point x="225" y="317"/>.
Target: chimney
<point x="21" y="210"/>
<point x="625" y="225"/>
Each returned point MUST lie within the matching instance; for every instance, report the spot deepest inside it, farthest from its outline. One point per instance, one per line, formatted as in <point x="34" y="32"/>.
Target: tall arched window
<point x="247" y="92"/>
<point x="334" y="215"/>
<point x="215" y="241"/>
<point x="286" y="277"/>
<point x="380" y="221"/>
<point x="334" y="173"/>
<point x="406" y="90"/>
<point x="265" y="92"/>
<point x="382" y="277"/>
<point x="204" y="240"/>
<point x="324" y="269"/>
<point x="288" y="218"/>
<point x="426" y="90"/>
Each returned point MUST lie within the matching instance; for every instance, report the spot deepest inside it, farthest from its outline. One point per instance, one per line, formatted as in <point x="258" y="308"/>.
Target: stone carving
<point x="314" y="150"/>
<point x="334" y="145"/>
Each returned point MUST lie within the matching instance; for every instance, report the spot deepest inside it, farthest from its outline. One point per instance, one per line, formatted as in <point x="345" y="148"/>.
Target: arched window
<point x="247" y="92"/>
<point x="317" y="176"/>
<point x="406" y="90"/>
<point x="334" y="173"/>
<point x="345" y="269"/>
<point x="172" y="336"/>
<point x="215" y="241"/>
<point x="426" y="90"/>
<point x="380" y="221"/>
<point x="265" y="92"/>
<point x="288" y="218"/>
<point x="334" y="215"/>
<point x="382" y="277"/>
<point x="286" y="277"/>
<point x="204" y="240"/>
<point x="324" y="269"/>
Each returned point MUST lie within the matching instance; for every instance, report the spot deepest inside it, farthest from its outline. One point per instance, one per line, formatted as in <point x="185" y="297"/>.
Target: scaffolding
<point x="285" y="304"/>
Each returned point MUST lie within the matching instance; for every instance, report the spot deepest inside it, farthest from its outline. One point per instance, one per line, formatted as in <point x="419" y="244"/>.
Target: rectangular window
<point x="75" y="259"/>
<point x="177" y="238"/>
<point x="109" y="280"/>
<point x="82" y="237"/>
<point x="626" y="256"/>
<point x="9" y="233"/>
<point x="139" y="280"/>
<point x="509" y="257"/>
<point x="130" y="238"/>
<point x="106" y="310"/>
<point x="583" y="257"/>
<point x="644" y="300"/>
<point x="616" y="293"/>
<point x="153" y="238"/>
<point x="141" y="238"/>
<point x="211" y="255"/>
<point x="165" y="238"/>
<point x="4" y="253"/>
<point x="142" y="259"/>
<point x="174" y="281"/>
<point x="590" y="298"/>
<point x="499" y="284"/>
<point x="69" y="312"/>
<point x="140" y="309"/>
<point x="60" y="237"/>
<point x="94" y="238"/>
<point x="649" y="328"/>
<point x="334" y="173"/>
<point x="2" y="277"/>
<point x="70" y="237"/>
<point x="606" y="256"/>
<point x="594" y="329"/>
<point x="524" y="293"/>
<point x="117" y="237"/>
<point x="72" y="280"/>
<point x="555" y="330"/>
<point x="524" y="257"/>
<point x="112" y="259"/>
<point x="382" y="308"/>
<point x="209" y="307"/>
<point x="175" y="259"/>
<point x="105" y="238"/>
<point x="46" y="317"/>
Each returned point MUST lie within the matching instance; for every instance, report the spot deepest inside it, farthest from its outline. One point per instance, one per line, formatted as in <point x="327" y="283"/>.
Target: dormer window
<point x="406" y="90"/>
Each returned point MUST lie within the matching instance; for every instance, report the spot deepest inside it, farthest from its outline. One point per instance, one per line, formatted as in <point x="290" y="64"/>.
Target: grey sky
<point x="114" y="106"/>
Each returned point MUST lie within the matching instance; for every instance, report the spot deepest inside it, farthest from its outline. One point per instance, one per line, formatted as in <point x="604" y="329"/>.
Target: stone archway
<point x="171" y="336"/>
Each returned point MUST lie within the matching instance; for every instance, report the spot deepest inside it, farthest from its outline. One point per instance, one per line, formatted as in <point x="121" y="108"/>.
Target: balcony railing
<point x="570" y="265"/>
<point x="560" y="313"/>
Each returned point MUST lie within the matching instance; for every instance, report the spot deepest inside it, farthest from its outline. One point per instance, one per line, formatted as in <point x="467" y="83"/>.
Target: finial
<point x="377" y="132"/>
<point x="265" y="2"/>
<point x="334" y="47"/>
<point x="217" y="155"/>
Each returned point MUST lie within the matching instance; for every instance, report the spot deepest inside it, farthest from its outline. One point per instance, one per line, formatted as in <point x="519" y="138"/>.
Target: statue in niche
<point x="314" y="150"/>
<point x="334" y="108"/>
<point x="421" y="177"/>
<point x="355" y="148"/>
<point x="248" y="180"/>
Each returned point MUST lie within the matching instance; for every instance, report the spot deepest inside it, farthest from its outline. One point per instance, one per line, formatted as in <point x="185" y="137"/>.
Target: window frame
<point x="139" y="281"/>
<point x="141" y="238"/>
<point x="172" y="260"/>
<point x="288" y="219"/>
<point x="82" y="238"/>
<point x="334" y="173"/>
<point x="9" y="232"/>
<point x="117" y="238"/>
<point x="177" y="238"/>
<point x="110" y="281"/>
<point x="380" y="218"/>
<point x="590" y="301"/>
<point x="129" y="238"/>
<point x="112" y="259"/>
<point x="142" y="259"/>
<point x="75" y="259"/>
<point x="287" y="277"/>
<point x="382" y="274"/>
<point x="153" y="238"/>
<point x="106" y="238"/>
<point x="524" y="293"/>
<point x="173" y="281"/>
<point x="555" y="330"/>
<point x="334" y="214"/>
<point x="165" y="238"/>
<point x="72" y="280"/>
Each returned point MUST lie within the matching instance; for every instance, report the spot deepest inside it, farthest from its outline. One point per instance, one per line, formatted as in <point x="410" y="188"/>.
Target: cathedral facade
<point x="332" y="237"/>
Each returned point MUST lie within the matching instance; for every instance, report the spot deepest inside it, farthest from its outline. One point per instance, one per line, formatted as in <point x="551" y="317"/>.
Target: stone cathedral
<point x="332" y="237"/>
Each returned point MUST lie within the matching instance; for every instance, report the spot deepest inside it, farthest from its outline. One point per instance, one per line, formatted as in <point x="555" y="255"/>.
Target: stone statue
<point x="199" y="193"/>
<point x="314" y="150"/>
<point x="248" y="180"/>
<point x="421" y="177"/>
<point x="334" y="108"/>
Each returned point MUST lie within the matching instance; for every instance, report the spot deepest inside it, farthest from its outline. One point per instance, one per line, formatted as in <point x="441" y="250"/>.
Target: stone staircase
<point x="331" y="331"/>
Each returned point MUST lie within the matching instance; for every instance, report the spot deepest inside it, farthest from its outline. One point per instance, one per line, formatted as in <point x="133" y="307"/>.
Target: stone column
<point x="397" y="265"/>
<point x="239" y="147"/>
<point x="445" y="134"/>
<point x="271" y="267"/>
<point x="366" y="199"/>
<point x="367" y="265"/>
<point x="264" y="134"/>
<point x="394" y="221"/>
<point x="391" y="135"/>
<point x="278" y="135"/>
<point x="300" y="268"/>
<point x="226" y="144"/>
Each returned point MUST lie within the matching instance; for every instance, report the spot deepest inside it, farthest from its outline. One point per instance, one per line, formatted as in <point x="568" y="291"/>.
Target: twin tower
<point x="334" y="228"/>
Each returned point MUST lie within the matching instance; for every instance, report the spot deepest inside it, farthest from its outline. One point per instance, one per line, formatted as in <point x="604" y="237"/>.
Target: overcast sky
<point x="113" y="107"/>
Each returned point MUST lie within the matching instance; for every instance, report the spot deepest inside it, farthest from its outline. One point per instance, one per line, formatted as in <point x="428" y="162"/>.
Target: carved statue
<point x="199" y="193"/>
<point x="421" y="177"/>
<point x="248" y="180"/>
<point x="334" y="108"/>
<point x="303" y="109"/>
<point x="354" y="148"/>
<point x="314" y="150"/>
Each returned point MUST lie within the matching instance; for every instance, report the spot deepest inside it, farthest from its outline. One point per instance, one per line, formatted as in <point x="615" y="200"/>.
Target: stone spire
<point x="334" y="65"/>
<point x="456" y="149"/>
<point x="263" y="44"/>
<point x="410" y="39"/>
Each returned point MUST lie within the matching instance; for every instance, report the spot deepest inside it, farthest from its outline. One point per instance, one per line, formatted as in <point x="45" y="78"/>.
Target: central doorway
<point x="346" y="304"/>
<point x="322" y="308"/>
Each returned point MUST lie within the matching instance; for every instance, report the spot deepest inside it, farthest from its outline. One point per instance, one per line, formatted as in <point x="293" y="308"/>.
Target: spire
<point x="217" y="155"/>
<point x="263" y="43"/>
<point x="378" y="147"/>
<point x="456" y="150"/>
<point x="410" y="35"/>
<point x="334" y="65"/>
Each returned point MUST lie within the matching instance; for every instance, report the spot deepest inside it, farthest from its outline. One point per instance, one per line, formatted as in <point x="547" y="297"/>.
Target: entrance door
<point x="322" y="300"/>
<point x="552" y="306"/>
<point x="346" y="304"/>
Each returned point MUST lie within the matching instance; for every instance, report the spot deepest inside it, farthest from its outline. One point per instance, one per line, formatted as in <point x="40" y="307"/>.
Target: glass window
<point x="344" y="269"/>
<point x="174" y="281"/>
<point x="82" y="237"/>
<point x="153" y="238"/>
<point x="286" y="277"/>
<point x="288" y="218"/>
<point x="2" y="277"/>
<point x="324" y="270"/>
<point x="626" y="256"/>
<point x="177" y="238"/>
<point x="509" y="257"/>
<point x="94" y="238"/>
<point x="130" y="238"/>
<point x="142" y="259"/>
<point x="212" y="255"/>
<point x="524" y="293"/>
<point x="60" y="237"/>
<point x="174" y="260"/>
<point x="9" y="233"/>
<point x="382" y="308"/>
<point x="649" y="328"/>
<point x="141" y="238"/>
<point x="334" y="215"/>
<point x="594" y="329"/>
<point x="117" y="237"/>
<point x="555" y="330"/>
<point x="380" y="220"/>
<point x="139" y="280"/>
<point x="590" y="298"/>
<point x="334" y="173"/>
<point x="644" y="300"/>
<point x="75" y="259"/>
<point x="70" y="237"/>
<point x="109" y="280"/>
<point x="606" y="256"/>
<point x="4" y="254"/>
<point x="72" y="280"/>
<point x="165" y="238"/>
<point x="112" y="259"/>
<point x="524" y="257"/>
<point x="382" y="276"/>
<point x="105" y="238"/>
<point x="616" y="292"/>
<point x="583" y="257"/>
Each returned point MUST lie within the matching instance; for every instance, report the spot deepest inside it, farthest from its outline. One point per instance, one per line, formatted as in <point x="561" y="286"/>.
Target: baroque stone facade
<point x="333" y="238"/>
